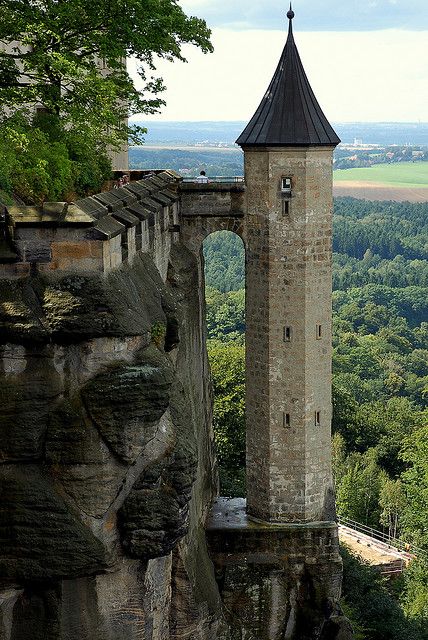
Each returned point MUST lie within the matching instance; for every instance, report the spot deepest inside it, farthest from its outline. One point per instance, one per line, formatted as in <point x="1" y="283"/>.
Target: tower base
<point x="276" y="581"/>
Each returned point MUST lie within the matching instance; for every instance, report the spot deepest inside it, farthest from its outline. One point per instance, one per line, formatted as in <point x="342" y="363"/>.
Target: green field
<point x="403" y="174"/>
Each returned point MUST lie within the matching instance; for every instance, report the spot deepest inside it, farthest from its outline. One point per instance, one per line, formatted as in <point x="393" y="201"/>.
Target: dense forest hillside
<point x="380" y="383"/>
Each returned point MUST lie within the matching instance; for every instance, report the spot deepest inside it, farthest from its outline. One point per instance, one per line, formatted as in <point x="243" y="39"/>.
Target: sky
<point x="367" y="61"/>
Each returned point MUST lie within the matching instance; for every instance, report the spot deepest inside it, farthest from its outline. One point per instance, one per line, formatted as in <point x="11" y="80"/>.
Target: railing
<point x="390" y="541"/>
<point x="217" y="179"/>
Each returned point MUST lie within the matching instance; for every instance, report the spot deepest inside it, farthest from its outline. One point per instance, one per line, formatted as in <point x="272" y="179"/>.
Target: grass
<point x="402" y="174"/>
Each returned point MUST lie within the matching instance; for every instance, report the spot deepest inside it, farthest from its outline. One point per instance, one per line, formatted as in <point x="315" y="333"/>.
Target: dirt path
<point x="380" y="191"/>
<point x="373" y="551"/>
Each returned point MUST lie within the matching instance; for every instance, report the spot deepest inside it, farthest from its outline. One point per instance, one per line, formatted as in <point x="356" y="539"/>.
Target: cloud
<point x="376" y="76"/>
<point x="312" y="15"/>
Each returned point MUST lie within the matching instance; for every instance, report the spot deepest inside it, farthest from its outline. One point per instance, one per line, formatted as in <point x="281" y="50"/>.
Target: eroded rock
<point x="26" y="399"/>
<point x="126" y="402"/>
<point x="40" y="538"/>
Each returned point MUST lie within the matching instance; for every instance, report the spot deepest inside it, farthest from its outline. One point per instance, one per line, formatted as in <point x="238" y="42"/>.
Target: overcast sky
<point x="366" y="60"/>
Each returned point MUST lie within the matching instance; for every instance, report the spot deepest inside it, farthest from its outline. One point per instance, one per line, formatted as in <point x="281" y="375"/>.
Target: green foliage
<point x="414" y="597"/>
<point x="373" y="609"/>
<point x="386" y="229"/>
<point x="227" y="363"/>
<point x="224" y="261"/>
<point x="40" y="161"/>
<point x="225" y="315"/>
<point x="358" y="488"/>
<point x="62" y="46"/>
<point x="415" y="481"/>
<point x="392" y="501"/>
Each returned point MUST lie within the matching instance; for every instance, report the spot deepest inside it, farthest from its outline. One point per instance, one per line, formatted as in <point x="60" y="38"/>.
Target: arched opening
<point x="224" y="257"/>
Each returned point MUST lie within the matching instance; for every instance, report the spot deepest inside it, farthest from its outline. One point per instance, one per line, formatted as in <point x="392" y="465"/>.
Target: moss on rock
<point x="126" y="402"/>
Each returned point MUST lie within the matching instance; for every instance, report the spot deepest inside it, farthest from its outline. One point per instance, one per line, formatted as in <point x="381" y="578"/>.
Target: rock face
<point x="107" y="466"/>
<point x="106" y="459"/>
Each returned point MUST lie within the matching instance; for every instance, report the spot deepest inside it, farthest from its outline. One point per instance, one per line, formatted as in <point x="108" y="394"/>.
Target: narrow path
<point x="380" y="554"/>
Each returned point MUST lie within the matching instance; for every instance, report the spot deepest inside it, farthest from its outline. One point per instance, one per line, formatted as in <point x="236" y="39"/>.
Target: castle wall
<point x="276" y="581"/>
<point x="108" y="470"/>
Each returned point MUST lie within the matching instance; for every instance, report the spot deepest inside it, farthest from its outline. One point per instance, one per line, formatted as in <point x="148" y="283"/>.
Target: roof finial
<point x="290" y="13"/>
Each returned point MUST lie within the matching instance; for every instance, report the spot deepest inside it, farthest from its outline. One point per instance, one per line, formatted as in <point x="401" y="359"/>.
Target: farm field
<point x="402" y="174"/>
<point x="402" y="182"/>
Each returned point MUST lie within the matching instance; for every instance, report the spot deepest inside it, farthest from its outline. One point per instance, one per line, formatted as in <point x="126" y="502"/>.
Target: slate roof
<point x="289" y="114"/>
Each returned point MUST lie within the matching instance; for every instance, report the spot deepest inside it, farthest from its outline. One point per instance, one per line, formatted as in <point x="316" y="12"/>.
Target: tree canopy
<point x="68" y="56"/>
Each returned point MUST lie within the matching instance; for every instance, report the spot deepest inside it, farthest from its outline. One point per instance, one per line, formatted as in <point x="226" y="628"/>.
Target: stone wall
<point x="277" y="581"/>
<point x="107" y="469"/>
<point x="288" y="336"/>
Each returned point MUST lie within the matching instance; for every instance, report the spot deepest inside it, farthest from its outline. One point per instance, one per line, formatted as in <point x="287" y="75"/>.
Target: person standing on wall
<point x="202" y="178"/>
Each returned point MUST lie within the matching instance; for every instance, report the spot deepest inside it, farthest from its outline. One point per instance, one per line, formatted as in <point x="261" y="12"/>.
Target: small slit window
<point x="285" y="207"/>
<point x="317" y="418"/>
<point x="287" y="334"/>
<point x="286" y="185"/>
<point x="287" y="420"/>
<point x="319" y="332"/>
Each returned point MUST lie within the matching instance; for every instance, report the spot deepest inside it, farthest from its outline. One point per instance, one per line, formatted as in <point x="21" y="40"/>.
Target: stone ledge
<point x="52" y="214"/>
<point x="230" y="513"/>
<point x="273" y="577"/>
<point x="235" y="187"/>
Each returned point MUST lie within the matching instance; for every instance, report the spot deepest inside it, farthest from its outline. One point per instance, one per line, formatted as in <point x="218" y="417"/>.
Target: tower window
<point x="285" y="207"/>
<point x="286" y="185"/>
<point x="287" y="334"/>
<point x="317" y="418"/>
<point x="319" y="332"/>
<point x="286" y="420"/>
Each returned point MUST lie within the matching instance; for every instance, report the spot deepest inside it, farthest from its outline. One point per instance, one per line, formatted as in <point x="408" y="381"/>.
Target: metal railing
<point x="389" y="541"/>
<point x="218" y="180"/>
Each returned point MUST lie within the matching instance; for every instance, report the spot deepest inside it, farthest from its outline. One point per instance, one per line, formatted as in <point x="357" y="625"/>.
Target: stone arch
<point x="194" y="229"/>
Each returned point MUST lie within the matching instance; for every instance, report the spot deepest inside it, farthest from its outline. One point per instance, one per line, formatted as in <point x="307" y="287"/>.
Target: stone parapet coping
<point x="231" y="514"/>
<point x="94" y="234"/>
<point x="204" y="187"/>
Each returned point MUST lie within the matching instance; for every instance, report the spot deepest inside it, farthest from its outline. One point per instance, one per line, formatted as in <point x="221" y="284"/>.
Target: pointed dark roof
<point x="289" y="114"/>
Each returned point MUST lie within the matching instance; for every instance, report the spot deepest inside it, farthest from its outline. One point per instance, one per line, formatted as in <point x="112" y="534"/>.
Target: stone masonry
<point x="106" y="441"/>
<point x="109" y="524"/>
<point x="288" y="239"/>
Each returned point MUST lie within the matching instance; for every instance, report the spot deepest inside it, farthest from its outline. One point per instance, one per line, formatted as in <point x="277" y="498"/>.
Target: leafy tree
<point x="414" y="597"/>
<point x="225" y="315"/>
<point x="358" y="491"/>
<point x="68" y="55"/>
<point x="45" y="162"/>
<point x="228" y="373"/>
<point x="34" y="167"/>
<point x="224" y="261"/>
<point x="392" y="502"/>
<point x="415" y="482"/>
<point x="373" y="609"/>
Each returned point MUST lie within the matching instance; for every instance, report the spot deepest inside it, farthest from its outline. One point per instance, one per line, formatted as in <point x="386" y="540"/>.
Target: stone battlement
<point x="212" y="199"/>
<point x="95" y="234"/>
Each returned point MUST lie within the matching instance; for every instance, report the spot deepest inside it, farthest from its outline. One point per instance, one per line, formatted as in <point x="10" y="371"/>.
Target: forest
<point x="380" y="393"/>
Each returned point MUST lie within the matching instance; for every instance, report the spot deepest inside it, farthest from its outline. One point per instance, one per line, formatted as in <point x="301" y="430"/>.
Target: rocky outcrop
<point x="106" y="460"/>
<point x="107" y="465"/>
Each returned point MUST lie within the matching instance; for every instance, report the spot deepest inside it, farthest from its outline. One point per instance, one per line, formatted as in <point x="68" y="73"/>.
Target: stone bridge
<point x="206" y="208"/>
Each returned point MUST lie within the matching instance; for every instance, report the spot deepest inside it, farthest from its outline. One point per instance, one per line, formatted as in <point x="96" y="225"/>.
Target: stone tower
<point x="288" y="147"/>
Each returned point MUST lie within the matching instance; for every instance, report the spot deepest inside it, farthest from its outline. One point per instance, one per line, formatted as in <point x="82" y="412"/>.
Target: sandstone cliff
<point x="107" y="467"/>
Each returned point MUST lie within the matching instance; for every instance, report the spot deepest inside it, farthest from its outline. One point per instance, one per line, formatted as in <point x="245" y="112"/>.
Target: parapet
<point x="94" y="234"/>
<point x="213" y="199"/>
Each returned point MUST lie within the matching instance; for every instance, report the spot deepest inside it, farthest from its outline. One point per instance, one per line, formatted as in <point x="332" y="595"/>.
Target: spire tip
<point x="290" y="13"/>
